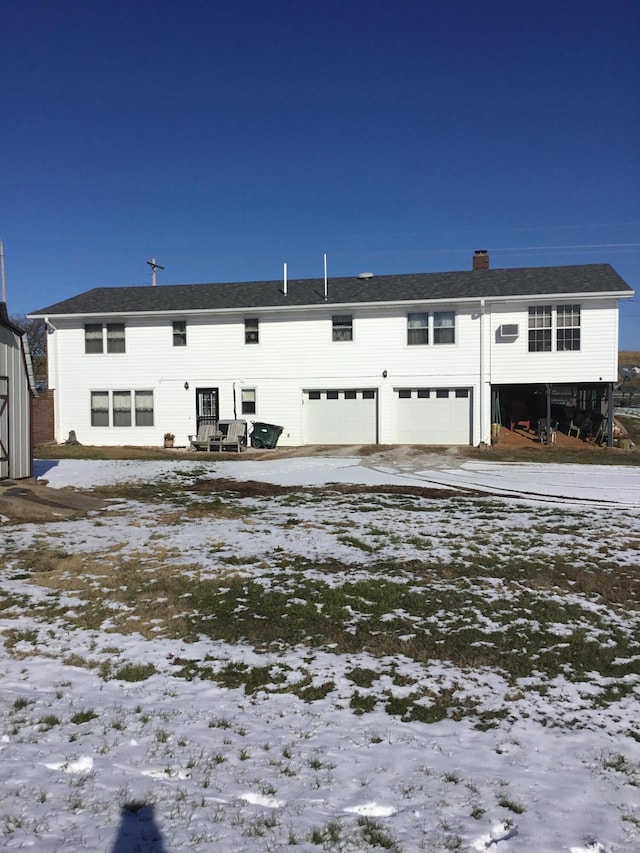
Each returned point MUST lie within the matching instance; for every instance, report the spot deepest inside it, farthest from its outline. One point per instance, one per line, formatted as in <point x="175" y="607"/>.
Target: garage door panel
<point x="432" y="416"/>
<point x="343" y="416"/>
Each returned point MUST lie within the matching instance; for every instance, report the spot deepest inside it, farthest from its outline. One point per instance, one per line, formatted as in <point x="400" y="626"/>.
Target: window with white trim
<point x="93" y="338"/>
<point x="121" y="407"/>
<point x="540" y="328"/>
<point x="342" y="327"/>
<point x="444" y="327"/>
<point x="417" y="329"/>
<point x="251" y="331"/>
<point x="115" y="337"/>
<point x="144" y="408"/>
<point x="567" y="327"/>
<point x="248" y="401"/>
<point x="100" y="408"/>
<point x="179" y="333"/>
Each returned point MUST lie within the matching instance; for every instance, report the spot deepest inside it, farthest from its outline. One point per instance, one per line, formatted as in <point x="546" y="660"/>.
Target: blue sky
<point x="225" y="138"/>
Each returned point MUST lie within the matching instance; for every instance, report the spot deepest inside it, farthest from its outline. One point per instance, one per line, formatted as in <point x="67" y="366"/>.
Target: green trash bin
<point x="265" y="435"/>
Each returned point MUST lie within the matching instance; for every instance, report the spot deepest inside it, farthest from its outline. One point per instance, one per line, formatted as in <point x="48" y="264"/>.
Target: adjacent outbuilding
<point x="17" y="389"/>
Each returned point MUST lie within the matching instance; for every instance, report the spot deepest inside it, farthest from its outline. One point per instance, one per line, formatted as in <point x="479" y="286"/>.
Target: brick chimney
<point x="480" y="260"/>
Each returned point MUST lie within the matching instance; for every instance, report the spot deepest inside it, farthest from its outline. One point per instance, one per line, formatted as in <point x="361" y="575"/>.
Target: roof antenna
<point x="326" y="284"/>
<point x="154" y="266"/>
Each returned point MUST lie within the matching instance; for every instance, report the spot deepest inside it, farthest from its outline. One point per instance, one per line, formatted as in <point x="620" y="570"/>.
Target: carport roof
<point x="473" y="284"/>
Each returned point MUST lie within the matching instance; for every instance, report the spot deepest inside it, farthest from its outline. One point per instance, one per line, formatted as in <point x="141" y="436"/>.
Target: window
<point x="417" y="329"/>
<point x="248" y="399"/>
<point x="251" y="331"/>
<point x="540" y="328"/>
<point x="100" y="408"/>
<point x="568" y="327"/>
<point x="369" y="394"/>
<point x="462" y="393"/>
<point x="442" y="393"/>
<point x="144" y="408"/>
<point x="350" y="395"/>
<point x="404" y="393"/>
<point x="115" y="337"/>
<point x="314" y="395"/>
<point x="122" y="408"/>
<point x="179" y="333"/>
<point x="93" y="337"/>
<point x="342" y="327"/>
<point x="332" y="395"/>
<point x="444" y="327"/>
<point x="423" y="394"/>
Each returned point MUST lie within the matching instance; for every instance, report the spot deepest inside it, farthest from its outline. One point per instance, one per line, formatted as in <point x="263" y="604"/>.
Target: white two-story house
<point x="427" y="358"/>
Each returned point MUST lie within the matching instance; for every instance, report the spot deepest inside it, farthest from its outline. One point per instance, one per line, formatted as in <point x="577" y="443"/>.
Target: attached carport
<point x="340" y="416"/>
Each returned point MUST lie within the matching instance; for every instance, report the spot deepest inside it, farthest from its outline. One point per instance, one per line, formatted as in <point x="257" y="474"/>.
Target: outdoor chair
<point x="235" y="437"/>
<point x="573" y="428"/>
<point x="208" y="434"/>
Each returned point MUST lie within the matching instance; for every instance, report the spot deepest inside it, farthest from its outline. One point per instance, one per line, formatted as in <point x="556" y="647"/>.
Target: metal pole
<point x="326" y="285"/>
<point x="4" y="282"/>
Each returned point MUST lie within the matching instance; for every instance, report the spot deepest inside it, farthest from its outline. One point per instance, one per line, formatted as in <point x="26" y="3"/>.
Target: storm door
<point x="207" y="409"/>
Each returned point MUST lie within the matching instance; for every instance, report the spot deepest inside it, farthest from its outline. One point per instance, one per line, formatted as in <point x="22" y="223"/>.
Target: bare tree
<point x="36" y="333"/>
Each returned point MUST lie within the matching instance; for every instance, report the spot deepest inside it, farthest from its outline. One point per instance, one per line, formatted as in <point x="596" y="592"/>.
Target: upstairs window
<point x="417" y="329"/>
<point x="93" y="338"/>
<point x="115" y="337"/>
<point x="179" y="333"/>
<point x="248" y="401"/>
<point x="568" y="327"/>
<point x="444" y="327"/>
<point x="540" y="328"/>
<point x="342" y="327"/>
<point x="251" y="331"/>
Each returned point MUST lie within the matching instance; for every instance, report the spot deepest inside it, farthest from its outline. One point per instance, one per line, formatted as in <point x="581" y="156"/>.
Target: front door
<point x="207" y="410"/>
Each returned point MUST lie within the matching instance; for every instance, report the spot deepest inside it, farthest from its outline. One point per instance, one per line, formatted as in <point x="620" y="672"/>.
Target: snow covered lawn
<point x="325" y="654"/>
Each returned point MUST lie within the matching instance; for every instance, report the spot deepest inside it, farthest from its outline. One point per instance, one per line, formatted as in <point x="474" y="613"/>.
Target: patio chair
<point x="208" y="434"/>
<point x="573" y="428"/>
<point x="235" y="437"/>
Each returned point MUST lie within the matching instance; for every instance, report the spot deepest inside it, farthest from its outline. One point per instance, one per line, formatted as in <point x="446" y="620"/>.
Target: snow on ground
<point x="166" y="764"/>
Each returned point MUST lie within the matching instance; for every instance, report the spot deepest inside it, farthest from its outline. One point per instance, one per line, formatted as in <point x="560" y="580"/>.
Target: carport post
<point x="547" y="439"/>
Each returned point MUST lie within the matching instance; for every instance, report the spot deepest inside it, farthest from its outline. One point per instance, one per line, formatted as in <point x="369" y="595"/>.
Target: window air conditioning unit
<point x="509" y="330"/>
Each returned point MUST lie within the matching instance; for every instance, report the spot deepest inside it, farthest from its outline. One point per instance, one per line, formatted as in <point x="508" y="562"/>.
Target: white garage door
<point x="432" y="415"/>
<point x="345" y="416"/>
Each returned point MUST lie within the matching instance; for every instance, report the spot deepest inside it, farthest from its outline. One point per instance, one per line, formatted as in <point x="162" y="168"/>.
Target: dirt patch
<point x="253" y="488"/>
<point x="28" y="501"/>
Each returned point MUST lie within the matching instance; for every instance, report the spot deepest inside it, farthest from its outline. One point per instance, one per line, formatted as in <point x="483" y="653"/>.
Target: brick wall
<point x="43" y="425"/>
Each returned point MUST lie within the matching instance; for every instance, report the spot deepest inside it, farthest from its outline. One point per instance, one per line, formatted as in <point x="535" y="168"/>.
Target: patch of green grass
<point x="135" y="671"/>
<point x="83" y="717"/>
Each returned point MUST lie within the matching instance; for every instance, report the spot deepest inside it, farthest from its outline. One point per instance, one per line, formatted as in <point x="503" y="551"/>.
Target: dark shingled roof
<point x="532" y="281"/>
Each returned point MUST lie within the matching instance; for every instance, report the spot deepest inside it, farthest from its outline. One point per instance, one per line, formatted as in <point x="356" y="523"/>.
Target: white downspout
<point x="53" y="374"/>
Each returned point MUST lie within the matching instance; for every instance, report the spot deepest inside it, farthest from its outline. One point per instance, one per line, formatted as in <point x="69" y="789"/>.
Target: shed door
<point x="4" y="426"/>
<point x="341" y="416"/>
